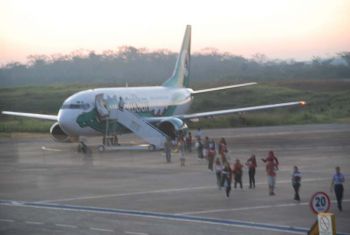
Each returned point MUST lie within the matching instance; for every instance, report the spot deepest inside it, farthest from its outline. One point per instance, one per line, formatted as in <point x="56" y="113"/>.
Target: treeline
<point x="140" y="66"/>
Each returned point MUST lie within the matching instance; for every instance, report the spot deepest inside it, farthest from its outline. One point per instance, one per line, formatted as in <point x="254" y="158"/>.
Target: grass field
<point x="328" y="102"/>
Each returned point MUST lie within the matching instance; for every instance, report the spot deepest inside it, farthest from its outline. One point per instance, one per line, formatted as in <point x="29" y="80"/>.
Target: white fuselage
<point x="77" y="116"/>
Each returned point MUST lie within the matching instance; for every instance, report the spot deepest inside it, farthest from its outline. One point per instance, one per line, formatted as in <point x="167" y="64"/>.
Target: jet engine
<point x="58" y="134"/>
<point x="172" y="127"/>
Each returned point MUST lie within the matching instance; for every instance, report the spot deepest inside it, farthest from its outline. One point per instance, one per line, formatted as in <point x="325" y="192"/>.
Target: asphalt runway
<point x="49" y="188"/>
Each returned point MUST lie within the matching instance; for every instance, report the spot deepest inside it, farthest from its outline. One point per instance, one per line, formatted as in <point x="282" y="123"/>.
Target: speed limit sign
<point x="320" y="202"/>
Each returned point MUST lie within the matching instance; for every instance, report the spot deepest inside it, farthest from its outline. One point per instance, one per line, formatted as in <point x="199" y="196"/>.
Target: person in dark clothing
<point x="337" y="182"/>
<point x="121" y="104"/>
<point x="167" y="149"/>
<point x="206" y="147"/>
<point x="238" y="172"/>
<point x="227" y="178"/>
<point x="188" y="141"/>
<point x="199" y="146"/>
<point x="296" y="183"/>
<point x="251" y="164"/>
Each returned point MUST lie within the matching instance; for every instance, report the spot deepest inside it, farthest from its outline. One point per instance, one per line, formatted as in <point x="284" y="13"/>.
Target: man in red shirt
<point x="271" y="157"/>
<point x="271" y="176"/>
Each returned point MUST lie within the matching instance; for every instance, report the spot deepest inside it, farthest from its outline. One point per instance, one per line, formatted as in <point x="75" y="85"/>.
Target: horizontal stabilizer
<point x="223" y="88"/>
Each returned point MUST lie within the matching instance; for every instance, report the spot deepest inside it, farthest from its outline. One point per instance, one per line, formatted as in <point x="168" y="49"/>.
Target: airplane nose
<point x="66" y="122"/>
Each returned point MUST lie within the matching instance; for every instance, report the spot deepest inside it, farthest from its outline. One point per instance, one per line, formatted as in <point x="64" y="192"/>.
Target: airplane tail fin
<point x="181" y="73"/>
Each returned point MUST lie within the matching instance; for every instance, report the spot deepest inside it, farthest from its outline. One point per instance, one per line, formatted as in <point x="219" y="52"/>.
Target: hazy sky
<point x="282" y="29"/>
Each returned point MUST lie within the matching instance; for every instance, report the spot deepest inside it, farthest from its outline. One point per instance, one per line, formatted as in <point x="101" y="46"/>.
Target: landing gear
<point x="83" y="148"/>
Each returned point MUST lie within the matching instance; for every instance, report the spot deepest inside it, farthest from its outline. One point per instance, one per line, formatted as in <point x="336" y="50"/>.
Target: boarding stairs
<point x="130" y="120"/>
<point x="139" y="126"/>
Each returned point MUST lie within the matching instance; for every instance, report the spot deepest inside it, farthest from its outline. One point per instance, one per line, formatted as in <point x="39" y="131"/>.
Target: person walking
<point x="237" y="172"/>
<point x="296" y="182"/>
<point x="251" y="164"/>
<point x="181" y="145"/>
<point x="167" y="149"/>
<point x="121" y="104"/>
<point x="206" y="147"/>
<point x="199" y="147"/>
<point x="337" y="183"/>
<point x="271" y="157"/>
<point x="218" y="172"/>
<point x="271" y="175"/>
<point x="227" y="178"/>
<point x="211" y="154"/>
<point x="199" y="133"/>
<point x="188" y="141"/>
<point x="222" y="149"/>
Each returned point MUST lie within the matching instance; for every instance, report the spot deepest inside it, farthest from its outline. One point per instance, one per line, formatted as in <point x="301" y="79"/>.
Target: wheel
<point x="101" y="148"/>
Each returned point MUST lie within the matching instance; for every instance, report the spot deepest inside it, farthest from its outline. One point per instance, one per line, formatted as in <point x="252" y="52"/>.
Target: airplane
<point x="154" y="113"/>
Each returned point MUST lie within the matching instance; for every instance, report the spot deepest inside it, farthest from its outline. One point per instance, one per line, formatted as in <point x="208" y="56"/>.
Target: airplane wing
<point x="222" y="88"/>
<point x="238" y="110"/>
<point x="228" y="111"/>
<point x="32" y="115"/>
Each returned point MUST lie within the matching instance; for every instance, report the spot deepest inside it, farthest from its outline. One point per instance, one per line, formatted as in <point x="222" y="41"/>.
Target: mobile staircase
<point x="135" y="123"/>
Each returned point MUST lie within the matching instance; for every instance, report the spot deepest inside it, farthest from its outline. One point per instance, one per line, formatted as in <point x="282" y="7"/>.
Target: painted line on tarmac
<point x="170" y="190"/>
<point x="7" y="220"/>
<point x="34" y="222"/>
<point x="135" y="233"/>
<point x="252" y="208"/>
<point x="66" y="226"/>
<point x="50" y="149"/>
<point x="102" y="230"/>
<point x="159" y="215"/>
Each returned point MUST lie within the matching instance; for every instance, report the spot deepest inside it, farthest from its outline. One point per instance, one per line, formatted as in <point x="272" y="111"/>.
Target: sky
<point x="280" y="29"/>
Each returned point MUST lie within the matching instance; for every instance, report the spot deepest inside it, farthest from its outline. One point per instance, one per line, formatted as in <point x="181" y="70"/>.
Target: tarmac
<point x="50" y="188"/>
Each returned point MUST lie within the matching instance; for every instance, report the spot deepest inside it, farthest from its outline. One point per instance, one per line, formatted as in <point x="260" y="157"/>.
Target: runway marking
<point x="102" y="230"/>
<point x="7" y="220"/>
<point x="277" y="133"/>
<point x="50" y="149"/>
<point x="162" y="216"/>
<point x="66" y="225"/>
<point x="30" y="170"/>
<point x="130" y="194"/>
<point x="34" y="222"/>
<point x="251" y="208"/>
<point x="171" y="190"/>
<point x="135" y="233"/>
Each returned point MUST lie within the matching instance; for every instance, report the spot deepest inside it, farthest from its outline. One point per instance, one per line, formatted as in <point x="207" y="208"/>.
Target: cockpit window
<point x="75" y="106"/>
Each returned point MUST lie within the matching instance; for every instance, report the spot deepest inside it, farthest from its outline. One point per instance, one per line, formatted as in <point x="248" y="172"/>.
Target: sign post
<point x="326" y="224"/>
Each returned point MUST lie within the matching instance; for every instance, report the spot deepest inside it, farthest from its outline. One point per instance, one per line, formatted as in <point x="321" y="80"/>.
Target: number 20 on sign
<point x="320" y="202"/>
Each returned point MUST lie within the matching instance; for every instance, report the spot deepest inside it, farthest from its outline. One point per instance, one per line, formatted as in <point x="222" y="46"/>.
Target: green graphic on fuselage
<point x="91" y="119"/>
